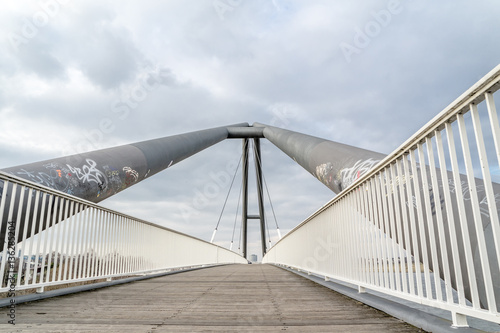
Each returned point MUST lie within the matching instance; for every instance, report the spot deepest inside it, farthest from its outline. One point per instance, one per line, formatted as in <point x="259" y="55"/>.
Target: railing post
<point x="244" y="210"/>
<point x="459" y="320"/>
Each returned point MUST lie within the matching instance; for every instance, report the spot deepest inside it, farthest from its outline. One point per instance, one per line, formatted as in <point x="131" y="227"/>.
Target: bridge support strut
<point x="258" y="172"/>
<point x="244" y="210"/>
<point x="245" y="217"/>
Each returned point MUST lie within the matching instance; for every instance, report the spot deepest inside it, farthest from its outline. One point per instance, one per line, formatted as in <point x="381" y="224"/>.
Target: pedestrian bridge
<point x="236" y="298"/>
<point x="420" y="225"/>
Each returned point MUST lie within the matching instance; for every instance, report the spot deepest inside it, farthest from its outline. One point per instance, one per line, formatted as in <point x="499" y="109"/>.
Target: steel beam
<point x="334" y="164"/>
<point x="258" y="172"/>
<point x="97" y="175"/>
<point x="245" y="132"/>
<point x="244" y="210"/>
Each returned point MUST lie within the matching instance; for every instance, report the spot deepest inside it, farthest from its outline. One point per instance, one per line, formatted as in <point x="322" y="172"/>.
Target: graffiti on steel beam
<point x="350" y="175"/>
<point x="324" y="173"/>
<point x="131" y="176"/>
<point x="88" y="173"/>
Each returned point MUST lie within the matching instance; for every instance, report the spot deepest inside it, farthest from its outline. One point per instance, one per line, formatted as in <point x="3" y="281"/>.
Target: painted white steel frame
<point x="93" y="243"/>
<point x="386" y="224"/>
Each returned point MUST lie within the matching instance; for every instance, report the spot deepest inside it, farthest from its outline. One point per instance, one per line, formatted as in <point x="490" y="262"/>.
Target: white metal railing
<point x="423" y="224"/>
<point x="82" y="241"/>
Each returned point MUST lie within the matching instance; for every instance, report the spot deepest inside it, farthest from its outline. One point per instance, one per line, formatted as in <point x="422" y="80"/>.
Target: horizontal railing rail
<point x="423" y="224"/>
<point x="73" y="240"/>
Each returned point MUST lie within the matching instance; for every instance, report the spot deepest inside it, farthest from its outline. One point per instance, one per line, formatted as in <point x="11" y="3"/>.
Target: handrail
<point x="48" y="190"/>
<point x="426" y="215"/>
<point x="474" y="95"/>
<point x="74" y="240"/>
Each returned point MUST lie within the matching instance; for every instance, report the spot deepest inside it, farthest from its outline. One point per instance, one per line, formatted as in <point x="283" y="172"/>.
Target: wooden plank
<point x="239" y="298"/>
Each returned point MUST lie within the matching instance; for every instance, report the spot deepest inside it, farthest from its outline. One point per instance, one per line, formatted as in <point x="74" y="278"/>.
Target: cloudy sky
<point x="84" y="75"/>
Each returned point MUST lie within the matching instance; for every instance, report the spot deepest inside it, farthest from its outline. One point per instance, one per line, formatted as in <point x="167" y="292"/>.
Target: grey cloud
<point x="110" y="59"/>
<point x="260" y="56"/>
<point x="44" y="64"/>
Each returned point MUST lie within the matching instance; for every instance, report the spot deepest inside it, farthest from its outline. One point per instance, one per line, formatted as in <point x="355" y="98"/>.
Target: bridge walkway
<point x="233" y="298"/>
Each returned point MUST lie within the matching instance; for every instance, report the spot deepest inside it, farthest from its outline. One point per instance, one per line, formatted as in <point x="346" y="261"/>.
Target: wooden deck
<point x="234" y="298"/>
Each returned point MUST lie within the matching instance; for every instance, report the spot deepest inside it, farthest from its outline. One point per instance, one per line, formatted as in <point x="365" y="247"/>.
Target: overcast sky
<point x="84" y="75"/>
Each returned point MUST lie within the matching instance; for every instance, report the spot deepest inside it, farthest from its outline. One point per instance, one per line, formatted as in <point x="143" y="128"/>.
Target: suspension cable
<point x="272" y="207"/>
<point x="267" y="228"/>
<point x="241" y="232"/>
<point x="236" y="217"/>
<point x="225" y="202"/>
